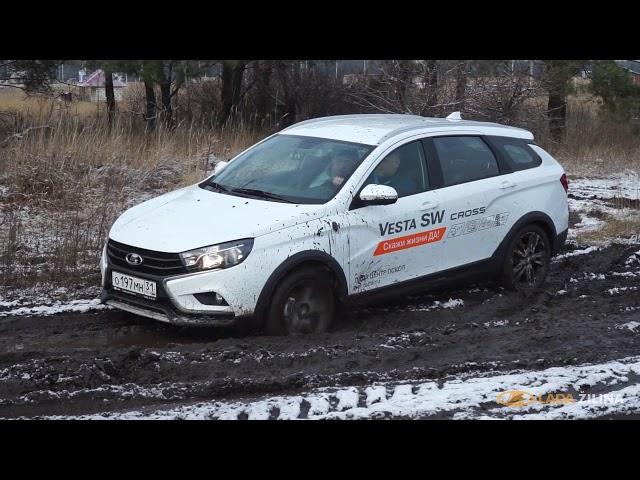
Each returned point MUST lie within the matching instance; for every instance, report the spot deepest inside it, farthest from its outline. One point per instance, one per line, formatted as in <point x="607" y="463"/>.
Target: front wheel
<point x="527" y="261"/>
<point x="303" y="302"/>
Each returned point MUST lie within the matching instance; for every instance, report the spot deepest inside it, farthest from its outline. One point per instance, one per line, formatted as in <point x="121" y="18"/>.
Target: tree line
<point x="281" y="92"/>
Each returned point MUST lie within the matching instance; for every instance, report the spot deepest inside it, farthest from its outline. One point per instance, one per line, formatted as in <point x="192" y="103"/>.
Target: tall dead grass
<point x="595" y="144"/>
<point x="63" y="184"/>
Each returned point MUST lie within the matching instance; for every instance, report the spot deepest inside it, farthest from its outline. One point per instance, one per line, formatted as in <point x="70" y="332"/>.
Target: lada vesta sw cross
<point x="336" y="209"/>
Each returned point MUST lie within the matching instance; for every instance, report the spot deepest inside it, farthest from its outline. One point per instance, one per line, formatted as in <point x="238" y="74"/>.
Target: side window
<point x="465" y="159"/>
<point x="517" y="153"/>
<point x="404" y="169"/>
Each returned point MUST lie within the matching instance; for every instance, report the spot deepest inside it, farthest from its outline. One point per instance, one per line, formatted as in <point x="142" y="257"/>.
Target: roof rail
<point x="354" y="115"/>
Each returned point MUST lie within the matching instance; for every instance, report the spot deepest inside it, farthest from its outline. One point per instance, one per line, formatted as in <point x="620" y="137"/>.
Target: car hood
<point x="193" y="217"/>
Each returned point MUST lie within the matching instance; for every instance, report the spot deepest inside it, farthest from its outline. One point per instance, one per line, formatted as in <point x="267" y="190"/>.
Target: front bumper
<point x="175" y="302"/>
<point x="162" y="311"/>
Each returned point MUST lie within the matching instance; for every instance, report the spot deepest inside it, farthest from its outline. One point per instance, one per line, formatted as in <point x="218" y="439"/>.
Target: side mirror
<point x="378" y="195"/>
<point x="219" y="167"/>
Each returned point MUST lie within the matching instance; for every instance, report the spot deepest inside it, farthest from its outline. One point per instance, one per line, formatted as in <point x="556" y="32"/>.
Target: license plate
<point x="129" y="284"/>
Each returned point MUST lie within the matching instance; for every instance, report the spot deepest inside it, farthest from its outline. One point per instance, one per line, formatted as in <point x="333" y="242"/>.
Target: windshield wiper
<point x="217" y="186"/>
<point x="260" y="193"/>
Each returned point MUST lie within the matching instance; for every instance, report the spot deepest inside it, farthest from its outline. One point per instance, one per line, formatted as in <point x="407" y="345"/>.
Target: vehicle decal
<point x="468" y="213"/>
<point x="429" y="218"/>
<point x="478" y="224"/>
<point x="409" y="241"/>
<point x="370" y="279"/>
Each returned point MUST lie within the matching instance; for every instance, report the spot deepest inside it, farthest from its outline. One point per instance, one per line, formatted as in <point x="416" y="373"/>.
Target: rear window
<point x="464" y="159"/>
<point x="517" y="153"/>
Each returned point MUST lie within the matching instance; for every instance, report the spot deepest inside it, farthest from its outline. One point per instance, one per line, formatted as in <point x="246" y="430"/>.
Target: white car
<point x="336" y="209"/>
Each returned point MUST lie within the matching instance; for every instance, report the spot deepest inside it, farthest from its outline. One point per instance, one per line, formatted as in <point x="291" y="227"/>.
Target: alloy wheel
<point x="529" y="259"/>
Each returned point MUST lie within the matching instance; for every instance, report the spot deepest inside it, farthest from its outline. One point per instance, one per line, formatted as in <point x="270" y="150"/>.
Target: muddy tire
<point x="303" y="302"/>
<point x="527" y="260"/>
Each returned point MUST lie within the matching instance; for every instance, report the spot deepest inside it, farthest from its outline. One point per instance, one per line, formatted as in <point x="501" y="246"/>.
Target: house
<point x="633" y="67"/>
<point x="92" y="87"/>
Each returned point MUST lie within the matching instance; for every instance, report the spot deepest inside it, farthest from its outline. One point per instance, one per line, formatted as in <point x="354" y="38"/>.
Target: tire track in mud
<point x="583" y="391"/>
<point x="111" y="361"/>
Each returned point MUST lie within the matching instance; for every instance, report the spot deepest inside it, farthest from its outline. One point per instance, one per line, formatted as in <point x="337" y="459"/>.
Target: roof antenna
<point x="454" y="117"/>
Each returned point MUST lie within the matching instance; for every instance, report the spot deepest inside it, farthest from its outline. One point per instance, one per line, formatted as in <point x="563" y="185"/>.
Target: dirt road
<point x="108" y="361"/>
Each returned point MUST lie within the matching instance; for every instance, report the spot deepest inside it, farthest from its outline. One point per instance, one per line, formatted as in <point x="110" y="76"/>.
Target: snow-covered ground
<point x="45" y="299"/>
<point x="78" y="306"/>
<point x="553" y="393"/>
<point x="595" y="198"/>
<point x="622" y="185"/>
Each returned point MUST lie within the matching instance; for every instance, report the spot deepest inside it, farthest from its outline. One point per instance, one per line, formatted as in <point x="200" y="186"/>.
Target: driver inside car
<point x="340" y="168"/>
<point x="387" y="173"/>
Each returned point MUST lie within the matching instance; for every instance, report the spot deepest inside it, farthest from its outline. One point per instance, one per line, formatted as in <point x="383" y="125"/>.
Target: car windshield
<point x="291" y="168"/>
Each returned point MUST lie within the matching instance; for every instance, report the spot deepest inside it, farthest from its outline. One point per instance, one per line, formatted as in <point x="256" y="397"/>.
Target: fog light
<point x="211" y="298"/>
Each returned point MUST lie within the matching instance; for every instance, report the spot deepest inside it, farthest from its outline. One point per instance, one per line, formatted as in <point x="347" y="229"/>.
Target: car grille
<point x="153" y="263"/>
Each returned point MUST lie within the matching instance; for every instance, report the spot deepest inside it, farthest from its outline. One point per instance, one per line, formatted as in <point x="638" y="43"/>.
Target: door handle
<point x="428" y="205"/>
<point x="507" y="184"/>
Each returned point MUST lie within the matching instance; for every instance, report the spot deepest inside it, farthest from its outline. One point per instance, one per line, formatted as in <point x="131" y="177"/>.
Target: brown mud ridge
<point x="71" y="364"/>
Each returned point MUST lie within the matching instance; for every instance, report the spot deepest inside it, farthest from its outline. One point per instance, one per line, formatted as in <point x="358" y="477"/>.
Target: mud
<point x="110" y="361"/>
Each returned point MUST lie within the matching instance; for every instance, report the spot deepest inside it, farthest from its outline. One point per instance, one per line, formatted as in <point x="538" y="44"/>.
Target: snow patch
<point x="574" y="253"/>
<point x="451" y="303"/>
<point x="79" y="306"/>
<point x="634" y="258"/>
<point x="617" y="290"/>
<point x="496" y="323"/>
<point x="632" y="326"/>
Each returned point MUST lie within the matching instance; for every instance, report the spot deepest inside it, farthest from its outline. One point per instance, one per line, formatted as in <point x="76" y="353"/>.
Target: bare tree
<point x="166" y="77"/>
<point x="110" y="95"/>
<point x="288" y="78"/>
<point x="150" y="103"/>
<point x="430" y="88"/>
<point x="462" y="70"/>
<point x="557" y="75"/>
<point x="487" y="90"/>
<point x="231" y="92"/>
<point x="146" y="70"/>
<point x="407" y="86"/>
<point x="262" y="73"/>
<point x="500" y="93"/>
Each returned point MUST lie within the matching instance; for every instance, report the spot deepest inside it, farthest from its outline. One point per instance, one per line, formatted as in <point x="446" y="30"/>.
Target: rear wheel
<point x="527" y="261"/>
<point x="303" y="302"/>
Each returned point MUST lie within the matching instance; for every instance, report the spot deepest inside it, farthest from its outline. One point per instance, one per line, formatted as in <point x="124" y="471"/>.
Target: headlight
<point x="223" y="255"/>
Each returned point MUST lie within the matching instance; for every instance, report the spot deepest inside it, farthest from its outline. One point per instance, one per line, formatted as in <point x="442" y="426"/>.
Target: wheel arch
<point x="532" y="218"/>
<point x="307" y="257"/>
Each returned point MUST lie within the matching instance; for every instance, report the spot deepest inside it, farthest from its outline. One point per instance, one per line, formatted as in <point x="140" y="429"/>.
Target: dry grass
<point x="614" y="227"/>
<point x="62" y="186"/>
<point x="594" y="143"/>
<point x="12" y="99"/>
